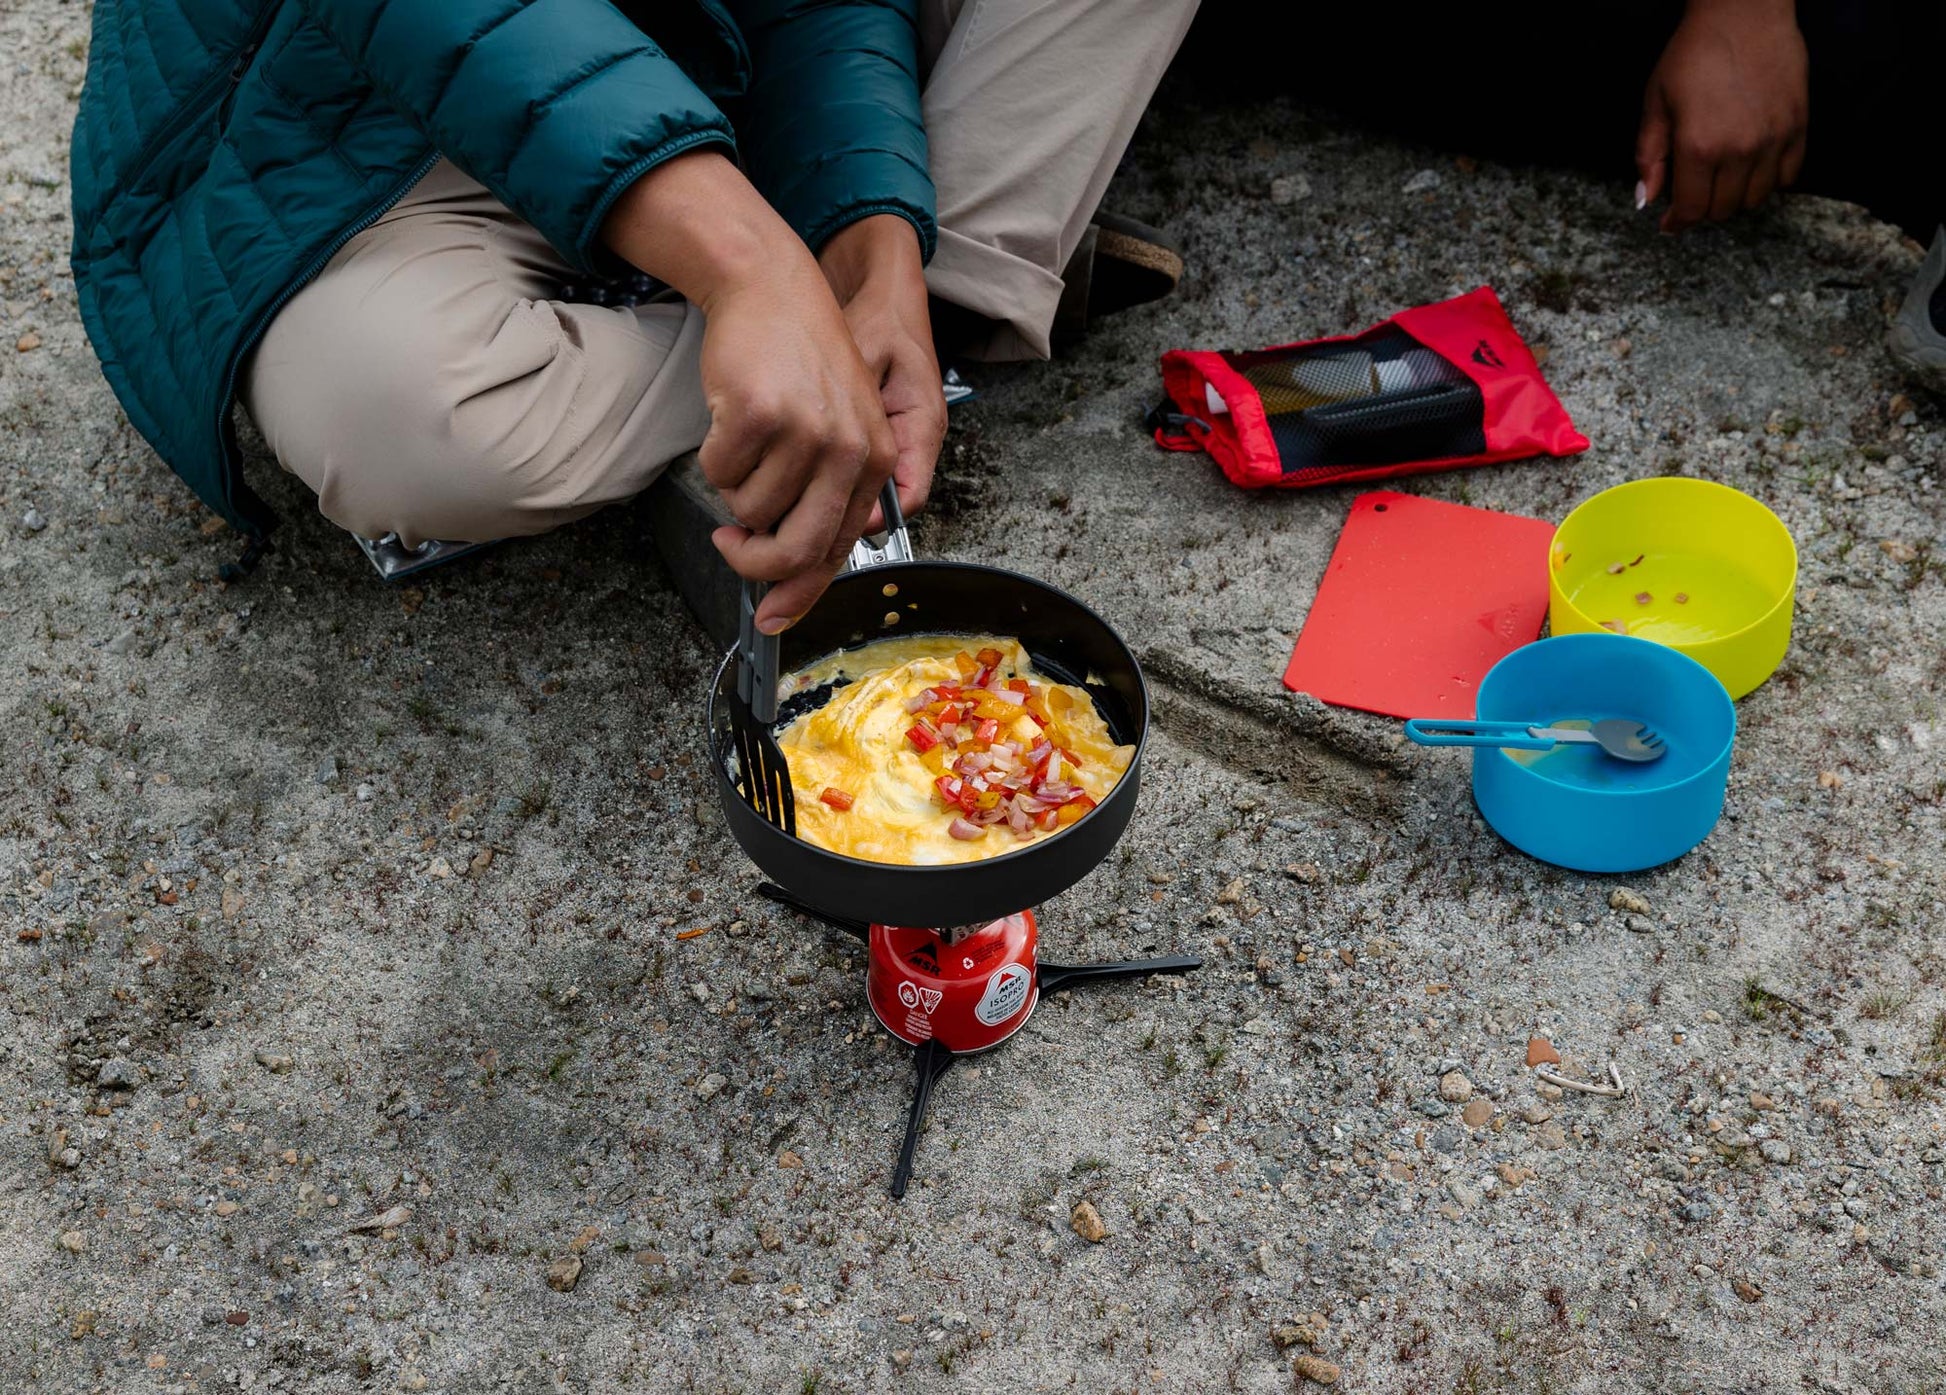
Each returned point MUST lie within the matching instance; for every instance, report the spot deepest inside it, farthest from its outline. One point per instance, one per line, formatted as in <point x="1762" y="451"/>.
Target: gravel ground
<point x="347" y="1040"/>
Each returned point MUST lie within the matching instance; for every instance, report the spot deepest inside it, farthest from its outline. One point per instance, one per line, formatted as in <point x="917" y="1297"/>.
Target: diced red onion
<point x="965" y="831"/>
<point x="1040" y="753"/>
<point x="1008" y="695"/>
<point x="1017" y="819"/>
<point x="918" y="702"/>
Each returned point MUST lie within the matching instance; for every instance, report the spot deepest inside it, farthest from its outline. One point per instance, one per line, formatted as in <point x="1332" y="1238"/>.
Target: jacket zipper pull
<point x="242" y="64"/>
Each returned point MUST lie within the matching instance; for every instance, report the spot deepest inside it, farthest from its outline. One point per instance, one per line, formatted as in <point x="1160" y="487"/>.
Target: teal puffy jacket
<point x="225" y="149"/>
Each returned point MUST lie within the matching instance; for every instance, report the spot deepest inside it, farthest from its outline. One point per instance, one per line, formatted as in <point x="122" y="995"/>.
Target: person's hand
<point x="876" y="272"/>
<point x="798" y="442"/>
<point x="1724" y="114"/>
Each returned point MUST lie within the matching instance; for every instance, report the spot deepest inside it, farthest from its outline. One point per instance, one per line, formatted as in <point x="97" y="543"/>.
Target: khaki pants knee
<point x="426" y="384"/>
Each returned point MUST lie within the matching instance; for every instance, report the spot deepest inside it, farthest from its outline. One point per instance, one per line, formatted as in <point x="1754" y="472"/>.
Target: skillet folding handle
<point x="1055" y="977"/>
<point x="770" y="891"/>
<point x="890" y="543"/>
<point x="1519" y="736"/>
<point x="931" y="1061"/>
<point x="756" y="656"/>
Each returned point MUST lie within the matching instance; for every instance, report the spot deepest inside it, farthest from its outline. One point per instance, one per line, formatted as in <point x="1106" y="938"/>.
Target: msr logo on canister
<point x="1006" y="994"/>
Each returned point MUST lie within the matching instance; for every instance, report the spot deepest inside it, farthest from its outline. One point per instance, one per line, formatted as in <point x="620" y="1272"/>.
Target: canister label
<point x="1006" y="994"/>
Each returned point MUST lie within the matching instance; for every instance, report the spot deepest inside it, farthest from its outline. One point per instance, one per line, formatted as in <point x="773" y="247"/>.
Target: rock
<point x="1536" y="1115"/>
<point x="1550" y="1135"/>
<point x="73" y="1241"/>
<point x="1432" y="1109"/>
<point x="1478" y="1113"/>
<point x="1622" y="899"/>
<point x="364" y="793"/>
<point x="275" y="1063"/>
<point x="27" y="342"/>
<point x="1551" y="1093"/>
<point x="788" y="1159"/>
<point x="1513" y="1174"/>
<point x="1640" y="925"/>
<point x="327" y="771"/>
<point x="584" y="1238"/>
<point x="1425" y="181"/>
<point x="440" y="868"/>
<point x="564" y="1273"/>
<point x="236" y="1319"/>
<point x="227" y="1209"/>
<point x="1085" y="1221"/>
<point x="1295" y="1334"/>
<point x="118" y="1073"/>
<point x="1455" y="1088"/>
<point x="1695" y="1211"/>
<point x="1289" y="188"/>
<point x="1306" y="872"/>
<point x="482" y="860"/>
<point x="711" y="1085"/>
<point x="1230" y="894"/>
<point x="69" y="1158"/>
<point x="1315" y="1369"/>
<point x="390" y="1219"/>
<point x="1760" y="1101"/>
<point x="232" y="903"/>
<point x="1463" y="1193"/>
<point x="1541" y="1052"/>
<point x="1746" y="1290"/>
<point x="1264" y="1261"/>
<point x="83" y="1324"/>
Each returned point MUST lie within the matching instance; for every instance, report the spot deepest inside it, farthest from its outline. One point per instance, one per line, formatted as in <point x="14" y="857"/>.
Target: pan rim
<point x="845" y="860"/>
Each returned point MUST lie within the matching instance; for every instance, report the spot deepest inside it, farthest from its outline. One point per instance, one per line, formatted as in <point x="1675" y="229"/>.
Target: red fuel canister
<point x="967" y="989"/>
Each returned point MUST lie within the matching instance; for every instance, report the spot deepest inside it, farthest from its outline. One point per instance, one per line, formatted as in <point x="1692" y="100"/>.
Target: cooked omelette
<point x="942" y="748"/>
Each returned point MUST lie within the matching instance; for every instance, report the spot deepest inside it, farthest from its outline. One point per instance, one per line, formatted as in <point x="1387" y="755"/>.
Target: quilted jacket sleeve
<point x="557" y="106"/>
<point x="832" y="130"/>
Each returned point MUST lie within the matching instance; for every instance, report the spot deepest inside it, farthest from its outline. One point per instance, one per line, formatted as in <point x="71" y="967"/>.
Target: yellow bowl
<point x="1700" y="567"/>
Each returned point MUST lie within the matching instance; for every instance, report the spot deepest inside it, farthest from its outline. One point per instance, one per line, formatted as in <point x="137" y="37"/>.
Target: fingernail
<point x="777" y="624"/>
<point x="1641" y="195"/>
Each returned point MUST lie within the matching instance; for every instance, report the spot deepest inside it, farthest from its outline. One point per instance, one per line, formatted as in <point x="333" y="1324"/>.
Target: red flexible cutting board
<point x="1420" y="599"/>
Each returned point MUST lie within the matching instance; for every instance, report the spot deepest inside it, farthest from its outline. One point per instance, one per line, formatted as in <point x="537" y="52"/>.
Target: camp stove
<point x="952" y="993"/>
<point x="946" y="992"/>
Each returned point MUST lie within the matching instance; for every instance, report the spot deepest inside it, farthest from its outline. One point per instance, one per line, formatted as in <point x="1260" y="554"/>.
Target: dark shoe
<point x="1120" y="263"/>
<point x="1918" y="334"/>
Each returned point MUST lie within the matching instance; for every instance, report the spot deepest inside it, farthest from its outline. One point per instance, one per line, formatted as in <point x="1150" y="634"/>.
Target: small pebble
<point x="1086" y="1222"/>
<point x="711" y="1085"/>
<point x="1622" y="899"/>
<point x="1455" y="1088"/>
<point x="1541" y="1052"/>
<point x="564" y="1273"/>
<point x="1316" y="1369"/>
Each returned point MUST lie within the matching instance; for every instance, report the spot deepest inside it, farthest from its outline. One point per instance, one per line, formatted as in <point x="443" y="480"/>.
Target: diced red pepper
<point x="922" y="737"/>
<point x="1047" y="819"/>
<point x="951" y="713"/>
<point x="949" y="789"/>
<point x="987" y="731"/>
<point x="983" y="678"/>
<point x="948" y="692"/>
<point x="836" y="798"/>
<point x="1071" y="758"/>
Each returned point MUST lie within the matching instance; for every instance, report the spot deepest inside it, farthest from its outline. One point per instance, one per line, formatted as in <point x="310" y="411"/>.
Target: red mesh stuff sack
<point x="1433" y="388"/>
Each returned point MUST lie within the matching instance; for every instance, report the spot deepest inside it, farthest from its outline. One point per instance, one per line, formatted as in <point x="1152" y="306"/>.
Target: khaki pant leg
<point x="425" y="383"/>
<point x="1028" y="105"/>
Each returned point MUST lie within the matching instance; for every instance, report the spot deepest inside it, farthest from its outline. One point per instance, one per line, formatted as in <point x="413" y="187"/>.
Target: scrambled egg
<point x="856" y="743"/>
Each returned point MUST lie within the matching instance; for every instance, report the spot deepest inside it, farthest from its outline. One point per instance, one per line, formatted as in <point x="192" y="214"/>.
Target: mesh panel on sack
<point x="1379" y="399"/>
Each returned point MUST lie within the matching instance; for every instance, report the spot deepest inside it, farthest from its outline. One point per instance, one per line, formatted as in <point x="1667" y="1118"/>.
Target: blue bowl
<point x="1575" y="806"/>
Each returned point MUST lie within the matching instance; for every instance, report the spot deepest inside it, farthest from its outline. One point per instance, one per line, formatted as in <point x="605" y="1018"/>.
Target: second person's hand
<point x="798" y="443"/>
<point x="1725" y="111"/>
